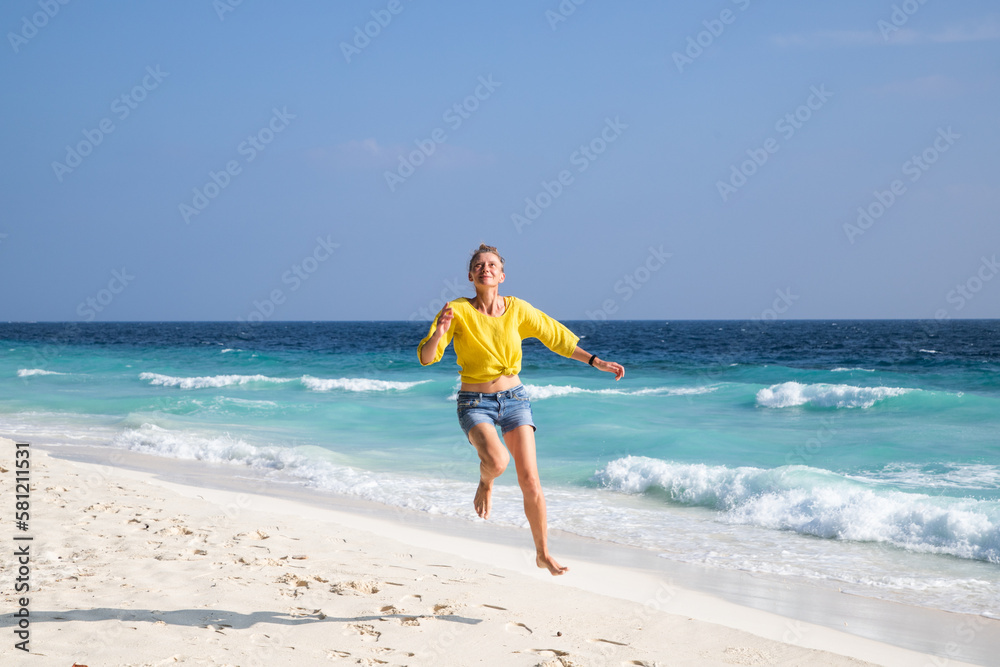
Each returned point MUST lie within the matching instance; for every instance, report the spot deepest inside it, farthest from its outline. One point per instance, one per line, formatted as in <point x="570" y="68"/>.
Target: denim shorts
<point x="507" y="409"/>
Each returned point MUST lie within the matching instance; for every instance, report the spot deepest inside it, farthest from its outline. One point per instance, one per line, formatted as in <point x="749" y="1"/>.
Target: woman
<point x="487" y="331"/>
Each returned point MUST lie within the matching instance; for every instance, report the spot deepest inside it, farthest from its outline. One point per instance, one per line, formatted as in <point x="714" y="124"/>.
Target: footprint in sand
<point x="292" y="579"/>
<point x="392" y="610"/>
<point x="559" y="662"/>
<point x="102" y="507"/>
<point x="518" y="628"/>
<point x="334" y="654"/>
<point x="368" y="632"/>
<point x="548" y="652"/>
<point x="358" y="586"/>
<point x="390" y="652"/>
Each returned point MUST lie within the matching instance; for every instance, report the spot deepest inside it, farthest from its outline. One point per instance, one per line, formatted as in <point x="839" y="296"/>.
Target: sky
<point x="730" y="159"/>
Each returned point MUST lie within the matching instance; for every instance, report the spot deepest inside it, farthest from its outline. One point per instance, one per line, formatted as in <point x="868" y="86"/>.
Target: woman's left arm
<point x="609" y="366"/>
<point x="559" y="339"/>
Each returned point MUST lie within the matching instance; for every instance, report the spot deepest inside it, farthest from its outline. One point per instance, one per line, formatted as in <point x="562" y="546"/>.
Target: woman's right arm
<point x="429" y="347"/>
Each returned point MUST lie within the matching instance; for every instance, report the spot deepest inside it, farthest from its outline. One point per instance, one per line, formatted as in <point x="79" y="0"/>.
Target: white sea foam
<point x="153" y="439"/>
<point x="208" y="380"/>
<point x="789" y="394"/>
<point x="817" y="502"/>
<point x="225" y="401"/>
<point x="28" y="372"/>
<point x="315" y="384"/>
<point x="307" y="465"/>
<point x="539" y="392"/>
<point x="981" y="476"/>
<point x="356" y="384"/>
<point x="848" y="370"/>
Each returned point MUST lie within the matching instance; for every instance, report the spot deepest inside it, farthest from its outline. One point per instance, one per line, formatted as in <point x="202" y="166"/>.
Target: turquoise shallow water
<point x="861" y="455"/>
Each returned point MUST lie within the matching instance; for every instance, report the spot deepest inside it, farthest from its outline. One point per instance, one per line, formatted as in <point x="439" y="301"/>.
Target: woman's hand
<point x="607" y="366"/>
<point x="610" y="367"/>
<point x="430" y="345"/>
<point x="444" y="320"/>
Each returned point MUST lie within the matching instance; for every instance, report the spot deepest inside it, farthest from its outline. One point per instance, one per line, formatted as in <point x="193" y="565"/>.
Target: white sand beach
<point x="129" y="568"/>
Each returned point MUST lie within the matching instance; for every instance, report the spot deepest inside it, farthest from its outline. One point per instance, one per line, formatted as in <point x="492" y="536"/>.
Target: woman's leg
<point x="493" y="460"/>
<point x="521" y="443"/>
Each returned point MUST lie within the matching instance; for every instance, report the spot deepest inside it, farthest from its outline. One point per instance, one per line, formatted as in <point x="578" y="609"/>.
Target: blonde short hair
<point x="485" y="248"/>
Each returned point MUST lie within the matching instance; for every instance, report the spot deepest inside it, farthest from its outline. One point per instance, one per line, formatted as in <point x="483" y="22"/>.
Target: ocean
<point x="858" y="455"/>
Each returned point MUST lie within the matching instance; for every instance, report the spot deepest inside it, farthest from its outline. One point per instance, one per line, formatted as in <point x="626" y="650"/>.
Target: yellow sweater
<point x="488" y="347"/>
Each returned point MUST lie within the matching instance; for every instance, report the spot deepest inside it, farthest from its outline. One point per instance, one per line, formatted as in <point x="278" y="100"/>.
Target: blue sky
<point x="730" y="159"/>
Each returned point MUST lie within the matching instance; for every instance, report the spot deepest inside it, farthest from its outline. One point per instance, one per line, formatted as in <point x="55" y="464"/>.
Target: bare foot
<point x="550" y="563"/>
<point x="484" y="499"/>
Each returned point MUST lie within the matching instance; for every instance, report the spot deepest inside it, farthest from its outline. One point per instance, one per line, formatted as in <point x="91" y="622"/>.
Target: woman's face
<point x="486" y="269"/>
